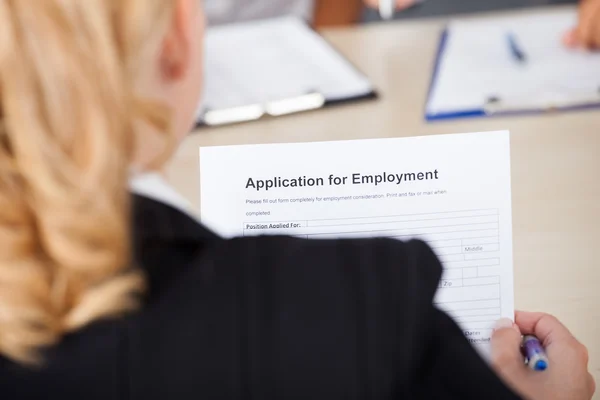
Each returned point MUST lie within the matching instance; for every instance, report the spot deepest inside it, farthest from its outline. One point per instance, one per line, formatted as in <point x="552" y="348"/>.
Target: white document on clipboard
<point x="452" y="191"/>
<point x="273" y="67"/>
<point x="477" y="74"/>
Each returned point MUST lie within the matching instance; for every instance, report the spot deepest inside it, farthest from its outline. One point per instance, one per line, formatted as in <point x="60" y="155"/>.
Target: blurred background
<point x="432" y="8"/>
<point x="326" y="13"/>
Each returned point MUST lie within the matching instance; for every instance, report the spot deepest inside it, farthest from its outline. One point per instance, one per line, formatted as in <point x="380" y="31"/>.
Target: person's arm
<point x="448" y="367"/>
<point x="358" y="316"/>
<point x="371" y="304"/>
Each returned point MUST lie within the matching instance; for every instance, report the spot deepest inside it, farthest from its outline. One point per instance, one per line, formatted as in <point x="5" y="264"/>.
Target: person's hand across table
<point x="587" y="32"/>
<point x="567" y="376"/>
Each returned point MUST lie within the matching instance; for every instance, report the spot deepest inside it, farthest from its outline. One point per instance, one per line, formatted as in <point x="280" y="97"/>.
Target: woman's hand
<point x="567" y="376"/>
<point x="587" y="32"/>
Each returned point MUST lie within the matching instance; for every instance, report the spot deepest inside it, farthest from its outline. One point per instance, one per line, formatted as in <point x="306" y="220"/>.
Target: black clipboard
<point x="305" y="102"/>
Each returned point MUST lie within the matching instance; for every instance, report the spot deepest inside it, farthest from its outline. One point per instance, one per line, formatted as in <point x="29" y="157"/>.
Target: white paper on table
<point x="259" y="62"/>
<point x="458" y="200"/>
<point x="476" y="65"/>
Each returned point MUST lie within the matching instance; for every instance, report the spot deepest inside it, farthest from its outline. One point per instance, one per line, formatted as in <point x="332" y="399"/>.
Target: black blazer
<point x="266" y="318"/>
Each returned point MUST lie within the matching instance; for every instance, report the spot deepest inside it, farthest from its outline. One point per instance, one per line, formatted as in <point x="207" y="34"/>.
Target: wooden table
<point x="555" y="166"/>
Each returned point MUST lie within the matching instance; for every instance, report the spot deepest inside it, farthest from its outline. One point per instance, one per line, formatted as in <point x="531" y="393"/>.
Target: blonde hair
<point x="68" y="119"/>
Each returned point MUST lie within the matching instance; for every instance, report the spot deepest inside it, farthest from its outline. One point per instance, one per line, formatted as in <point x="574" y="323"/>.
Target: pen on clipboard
<point x="516" y="51"/>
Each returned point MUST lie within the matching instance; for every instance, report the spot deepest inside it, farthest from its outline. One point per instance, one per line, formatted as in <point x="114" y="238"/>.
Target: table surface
<point x="555" y="166"/>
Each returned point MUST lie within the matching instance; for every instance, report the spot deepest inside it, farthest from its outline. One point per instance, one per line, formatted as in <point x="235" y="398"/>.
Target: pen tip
<point x="541" y="365"/>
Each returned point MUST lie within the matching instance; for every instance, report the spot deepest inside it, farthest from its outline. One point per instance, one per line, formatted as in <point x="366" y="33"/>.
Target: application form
<point x="452" y="191"/>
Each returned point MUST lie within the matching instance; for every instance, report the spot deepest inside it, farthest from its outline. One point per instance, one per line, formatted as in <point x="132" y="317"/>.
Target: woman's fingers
<point x="544" y="326"/>
<point x="587" y="32"/>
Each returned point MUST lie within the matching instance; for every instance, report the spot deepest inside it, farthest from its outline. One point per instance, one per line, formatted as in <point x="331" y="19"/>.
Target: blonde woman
<point x="109" y="290"/>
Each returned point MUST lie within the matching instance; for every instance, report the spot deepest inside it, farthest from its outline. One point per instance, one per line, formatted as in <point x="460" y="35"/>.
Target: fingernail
<point x="503" y="323"/>
<point x="569" y="37"/>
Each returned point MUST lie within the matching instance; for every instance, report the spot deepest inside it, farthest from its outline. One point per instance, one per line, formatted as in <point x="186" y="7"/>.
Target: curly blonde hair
<point x="68" y="119"/>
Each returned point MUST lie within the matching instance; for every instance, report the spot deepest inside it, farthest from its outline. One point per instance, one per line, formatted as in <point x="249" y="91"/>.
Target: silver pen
<point x="386" y="9"/>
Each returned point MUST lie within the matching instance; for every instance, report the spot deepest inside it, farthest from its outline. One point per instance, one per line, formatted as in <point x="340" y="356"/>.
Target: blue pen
<point x="535" y="355"/>
<point x="515" y="50"/>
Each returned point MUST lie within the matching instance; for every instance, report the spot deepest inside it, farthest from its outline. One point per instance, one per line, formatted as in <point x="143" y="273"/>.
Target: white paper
<point x="461" y="206"/>
<point x="477" y="64"/>
<point x="270" y="60"/>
